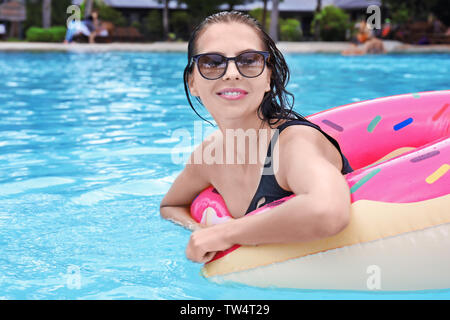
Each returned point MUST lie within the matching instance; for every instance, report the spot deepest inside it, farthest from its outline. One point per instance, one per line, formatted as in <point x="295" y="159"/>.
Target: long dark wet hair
<point x="275" y="104"/>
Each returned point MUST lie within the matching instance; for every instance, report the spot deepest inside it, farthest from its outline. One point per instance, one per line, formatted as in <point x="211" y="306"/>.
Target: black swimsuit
<point x="269" y="190"/>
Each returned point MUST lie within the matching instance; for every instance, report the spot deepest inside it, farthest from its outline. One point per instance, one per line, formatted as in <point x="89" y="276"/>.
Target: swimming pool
<point x="86" y="145"/>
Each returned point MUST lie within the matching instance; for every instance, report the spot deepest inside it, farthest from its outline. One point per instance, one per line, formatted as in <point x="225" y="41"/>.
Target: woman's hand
<point x="205" y="242"/>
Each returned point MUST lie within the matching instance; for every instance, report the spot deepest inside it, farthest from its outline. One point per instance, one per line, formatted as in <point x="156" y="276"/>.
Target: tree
<point x="274" y="21"/>
<point x="88" y="7"/>
<point x="35" y="15"/>
<point x="46" y="13"/>
<point x="200" y="9"/>
<point x="333" y="23"/>
<point x="317" y="25"/>
<point x="166" y="19"/>
<point x="257" y="14"/>
<point x="264" y="15"/>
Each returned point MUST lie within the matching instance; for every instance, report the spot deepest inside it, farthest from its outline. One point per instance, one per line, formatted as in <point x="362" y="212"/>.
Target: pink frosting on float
<point x="209" y="198"/>
<point x="405" y="178"/>
<point x="368" y="130"/>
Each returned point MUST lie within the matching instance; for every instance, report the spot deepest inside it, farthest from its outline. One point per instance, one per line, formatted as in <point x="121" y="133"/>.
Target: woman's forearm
<point x="180" y="215"/>
<point x="302" y="218"/>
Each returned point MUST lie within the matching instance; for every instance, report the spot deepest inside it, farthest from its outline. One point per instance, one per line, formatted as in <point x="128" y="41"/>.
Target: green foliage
<point x="38" y="34"/>
<point x="136" y="24"/>
<point x="402" y="11"/>
<point x="82" y="8"/>
<point x="257" y="13"/>
<point x="290" y="30"/>
<point x="401" y="14"/>
<point x="58" y="33"/>
<point x="53" y="34"/>
<point x="13" y="39"/>
<point x="333" y="22"/>
<point x="34" y="13"/>
<point x="105" y="13"/>
<point x="200" y="9"/>
<point x="180" y="24"/>
<point x="172" y="36"/>
<point x="59" y="14"/>
<point x="112" y="15"/>
<point x="96" y="5"/>
<point x="152" y="27"/>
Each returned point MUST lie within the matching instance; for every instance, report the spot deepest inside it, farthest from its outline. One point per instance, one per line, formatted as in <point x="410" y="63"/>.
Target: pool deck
<point x="285" y="47"/>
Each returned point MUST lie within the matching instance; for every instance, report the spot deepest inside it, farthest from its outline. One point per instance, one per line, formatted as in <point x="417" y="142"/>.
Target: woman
<point x="235" y="70"/>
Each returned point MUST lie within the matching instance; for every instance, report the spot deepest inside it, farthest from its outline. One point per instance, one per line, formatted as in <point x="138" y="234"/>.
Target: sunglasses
<point x="213" y="66"/>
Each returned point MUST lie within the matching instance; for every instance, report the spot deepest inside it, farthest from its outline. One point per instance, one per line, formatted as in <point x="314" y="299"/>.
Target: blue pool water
<point x="85" y="159"/>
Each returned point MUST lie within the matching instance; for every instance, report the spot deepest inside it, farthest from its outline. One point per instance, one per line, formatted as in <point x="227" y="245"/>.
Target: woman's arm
<point x="175" y="205"/>
<point x="320" y="209"/>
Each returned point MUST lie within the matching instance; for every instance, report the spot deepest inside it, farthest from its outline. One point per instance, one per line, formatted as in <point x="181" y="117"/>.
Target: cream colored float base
<point x="392" y="264"/>
<point x="386" y="246"/>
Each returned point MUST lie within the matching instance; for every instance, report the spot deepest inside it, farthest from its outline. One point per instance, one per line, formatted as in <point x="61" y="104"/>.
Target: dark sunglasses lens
<point x="212" y="66"/>
<point x="250" y="64"/>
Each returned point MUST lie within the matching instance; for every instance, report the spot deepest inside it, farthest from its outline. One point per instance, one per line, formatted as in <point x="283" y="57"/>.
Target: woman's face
<point x="229" y="40"/>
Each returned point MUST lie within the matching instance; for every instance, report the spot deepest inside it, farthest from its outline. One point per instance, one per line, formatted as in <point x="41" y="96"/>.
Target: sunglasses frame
<point x="265" y="54"/>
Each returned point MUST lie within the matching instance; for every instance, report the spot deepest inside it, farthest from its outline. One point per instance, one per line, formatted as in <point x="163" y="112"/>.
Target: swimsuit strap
<point x="346" y="168"/>
<point x="268" y="188"/>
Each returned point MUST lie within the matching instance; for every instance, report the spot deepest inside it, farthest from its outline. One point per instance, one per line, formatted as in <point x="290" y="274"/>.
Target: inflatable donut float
<point x="398" y="237"/>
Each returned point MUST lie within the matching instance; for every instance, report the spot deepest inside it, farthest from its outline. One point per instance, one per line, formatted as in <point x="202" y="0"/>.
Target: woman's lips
<point x="232" y="93"/>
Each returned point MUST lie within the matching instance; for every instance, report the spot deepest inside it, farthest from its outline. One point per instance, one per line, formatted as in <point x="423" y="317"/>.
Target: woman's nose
<point x="232" y="71"/>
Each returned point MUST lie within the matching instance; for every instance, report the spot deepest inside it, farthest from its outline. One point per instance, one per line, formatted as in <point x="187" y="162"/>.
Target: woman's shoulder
<point x="311" y="140"/>
<point x="301" y="132"/>
<point x="305" y="155"/>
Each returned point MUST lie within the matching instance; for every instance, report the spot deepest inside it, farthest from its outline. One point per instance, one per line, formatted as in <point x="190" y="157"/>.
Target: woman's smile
<point x="232" y="93"/>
